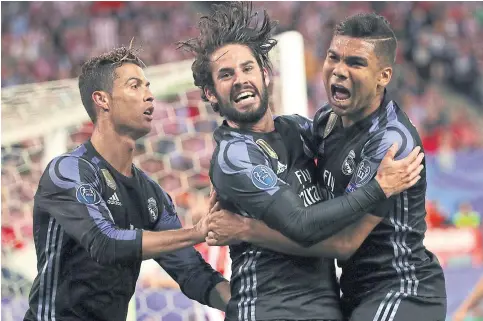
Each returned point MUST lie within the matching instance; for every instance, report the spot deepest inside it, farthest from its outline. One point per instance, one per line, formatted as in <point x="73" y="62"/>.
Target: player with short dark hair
<point x="392" y="276"/>
<point x="97" y="216"/>
<point x="261" y="169"/>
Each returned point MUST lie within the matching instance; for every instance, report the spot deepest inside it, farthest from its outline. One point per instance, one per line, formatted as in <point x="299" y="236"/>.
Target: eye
<point x="134" y="86"/>
<point x="356" y="64"/>
<point x="224" y="75"/>
<point x="248" y="68"/>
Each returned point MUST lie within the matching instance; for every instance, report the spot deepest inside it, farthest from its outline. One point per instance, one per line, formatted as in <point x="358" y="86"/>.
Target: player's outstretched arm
<point x="283" y="210"/>
<point x="70" y="190"/>
<point x="196" y="278"/>
<point x="232" y="228"/>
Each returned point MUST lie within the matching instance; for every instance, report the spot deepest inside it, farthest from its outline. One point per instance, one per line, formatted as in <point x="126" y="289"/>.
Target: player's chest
<point x="131" y="206"/>
<point x="338" y="160"/>
<point x="293" y="166"/>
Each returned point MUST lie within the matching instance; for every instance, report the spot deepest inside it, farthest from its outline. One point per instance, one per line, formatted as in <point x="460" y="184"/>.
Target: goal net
<point x="41" y="121"/>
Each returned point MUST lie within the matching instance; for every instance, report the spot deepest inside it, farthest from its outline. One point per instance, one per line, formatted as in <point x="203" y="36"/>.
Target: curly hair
<point x="229" y="23"/>
<point x="98" y="73"/>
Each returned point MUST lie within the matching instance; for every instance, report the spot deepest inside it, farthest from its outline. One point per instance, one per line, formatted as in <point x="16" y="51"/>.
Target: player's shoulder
<point x="233" y="141"/>
<point x="294" y="119"/>
<point x="236" y="152"/>
<point x="76" y="163"/>
<point x="322" y="115"/>
<point x="392" y="126"/>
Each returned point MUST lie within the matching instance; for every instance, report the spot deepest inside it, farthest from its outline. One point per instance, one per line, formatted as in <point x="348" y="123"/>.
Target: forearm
<point x="220" y="296"/>
<point x="313" y="224"/>
<point x="258" y="233"/>
<point x="340" y="246"/>
<point x="474" y="298"/>
<point x="156" y="243"/>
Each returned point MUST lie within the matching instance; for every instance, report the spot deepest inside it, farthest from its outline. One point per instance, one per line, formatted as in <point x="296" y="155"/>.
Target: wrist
<point x="378" y="190"/>
<point x="196" y="235"/>
<point x="245" y="232"/>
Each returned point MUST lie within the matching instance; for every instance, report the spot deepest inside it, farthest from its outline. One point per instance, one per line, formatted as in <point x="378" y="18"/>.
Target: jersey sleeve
<point x="372" y="154"/>
<point x="243" y="176"/>
<point x="194" y="275"/>
<point x="70" y="192"/>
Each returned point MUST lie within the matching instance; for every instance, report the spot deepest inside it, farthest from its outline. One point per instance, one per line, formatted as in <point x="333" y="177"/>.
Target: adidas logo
<point x="114" y="200"/>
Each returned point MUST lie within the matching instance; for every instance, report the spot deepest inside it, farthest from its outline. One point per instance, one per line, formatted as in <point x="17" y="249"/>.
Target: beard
<point x="244" y="119"/>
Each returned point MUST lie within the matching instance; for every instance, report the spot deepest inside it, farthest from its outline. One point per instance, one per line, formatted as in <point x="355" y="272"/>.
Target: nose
<point x="340" y="71"/>
<point x="149" y="95"/>
<point x="240" y="78"/>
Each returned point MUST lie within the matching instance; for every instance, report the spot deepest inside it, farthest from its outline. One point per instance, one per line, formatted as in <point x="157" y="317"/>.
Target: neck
<point x="116" y="149"/>
<point x="362" y="113"/>
<point x="264" y="125"/>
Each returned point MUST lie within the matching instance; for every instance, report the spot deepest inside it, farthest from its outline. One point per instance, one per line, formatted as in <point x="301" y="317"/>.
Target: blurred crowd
<point x="439" y="52"/>
<point x="438" y="46"/>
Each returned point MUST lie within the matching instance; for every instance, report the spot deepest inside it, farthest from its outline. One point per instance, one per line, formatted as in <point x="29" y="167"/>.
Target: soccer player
<point x="97" y="216"/>
<point x="389" y="275"/>
<point x="261" y="169"/>
<point x="392" y="276"/>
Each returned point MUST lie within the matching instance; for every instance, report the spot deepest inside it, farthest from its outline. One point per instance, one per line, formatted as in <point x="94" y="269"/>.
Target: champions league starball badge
<point x="263" y="177"/>
<point x="86" y="194"/>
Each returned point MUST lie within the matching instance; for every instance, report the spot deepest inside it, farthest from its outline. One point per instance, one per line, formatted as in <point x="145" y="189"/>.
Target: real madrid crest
<point x="153" y="210"/>
<point x="348" y="165"/>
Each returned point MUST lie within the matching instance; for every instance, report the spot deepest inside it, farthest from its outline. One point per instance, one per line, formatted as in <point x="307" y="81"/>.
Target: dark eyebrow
<point x="246" y="63"/>
<point x="350" y="58"/>
<point x="138" y="80"/>
<point x="222" y="70"/>
<point x="131" y="78"/>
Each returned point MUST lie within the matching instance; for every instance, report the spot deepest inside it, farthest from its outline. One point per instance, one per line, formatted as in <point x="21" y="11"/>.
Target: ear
<point x="101" y="99"/>
<point x="210" y="95"/>
<point x="266" y="76"/>
<point x="385" y="76"/>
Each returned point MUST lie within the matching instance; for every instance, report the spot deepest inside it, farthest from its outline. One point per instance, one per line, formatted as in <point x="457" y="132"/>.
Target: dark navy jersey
<point x="250" y="171"/>
<point x="393" y="257"/>
<point x="88" y="222"/>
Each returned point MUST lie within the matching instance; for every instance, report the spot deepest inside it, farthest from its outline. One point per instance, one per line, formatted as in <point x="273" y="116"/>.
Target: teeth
<point x="243" y="95"/>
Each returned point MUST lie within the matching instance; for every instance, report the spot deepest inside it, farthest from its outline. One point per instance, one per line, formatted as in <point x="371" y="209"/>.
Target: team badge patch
<point x="348" y="165"/>
<point x="109" y="179"/>
<point x="263" y="177"/>
<point x="86" y="194"/>
<point x="153" y="209"/>
<point x="363" y="173"/>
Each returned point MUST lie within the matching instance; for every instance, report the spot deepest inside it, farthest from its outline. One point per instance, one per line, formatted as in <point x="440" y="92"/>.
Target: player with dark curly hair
<point x="97" y="216"/>
<point x="262" y="169"/>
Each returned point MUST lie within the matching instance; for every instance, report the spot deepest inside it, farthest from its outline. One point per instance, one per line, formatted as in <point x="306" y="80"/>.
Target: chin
<point x="340" y="106"/>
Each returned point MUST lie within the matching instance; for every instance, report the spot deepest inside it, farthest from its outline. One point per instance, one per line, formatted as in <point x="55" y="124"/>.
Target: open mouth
<point x="339" y="93"/>
<point x="244" y="96"/>
<point x="148" y="111"/>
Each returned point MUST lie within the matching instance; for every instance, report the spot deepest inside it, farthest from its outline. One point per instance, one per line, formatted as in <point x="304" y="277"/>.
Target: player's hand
<point x="225" y="228"/>
<point x="201" y="227"/>
<point x="213" y="197"/>
<point x="396" y="176"/>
